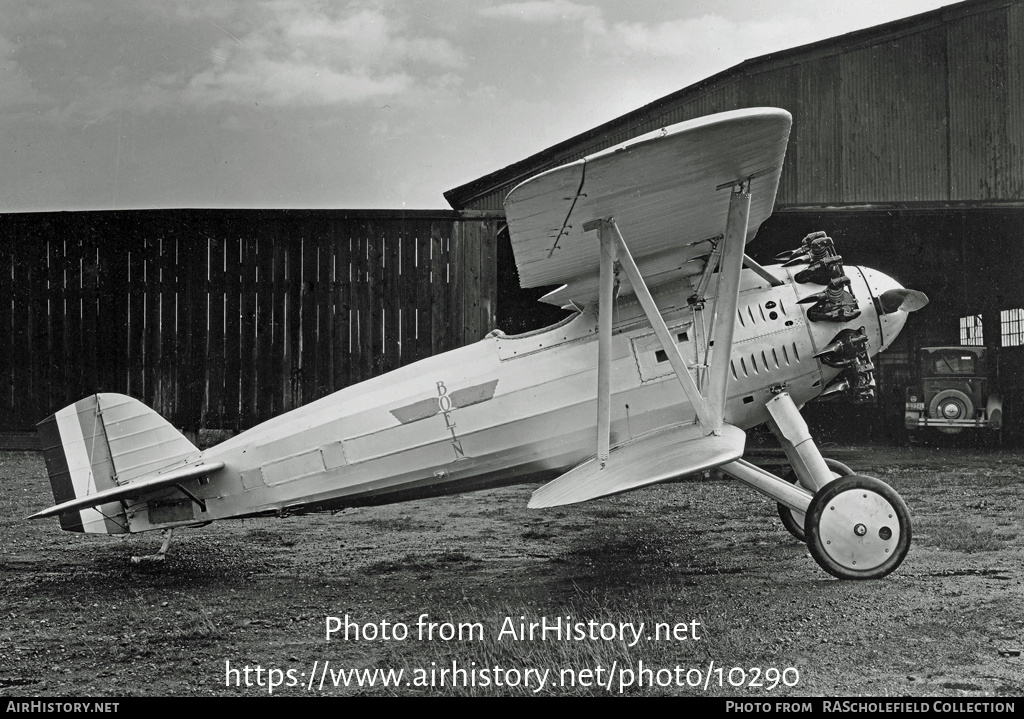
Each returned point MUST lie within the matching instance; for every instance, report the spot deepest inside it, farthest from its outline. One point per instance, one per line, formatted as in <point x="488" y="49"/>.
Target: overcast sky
<point x="110" y="104"/>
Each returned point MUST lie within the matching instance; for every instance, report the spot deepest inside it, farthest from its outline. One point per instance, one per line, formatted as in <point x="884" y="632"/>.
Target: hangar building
<point x="907" y="148"/>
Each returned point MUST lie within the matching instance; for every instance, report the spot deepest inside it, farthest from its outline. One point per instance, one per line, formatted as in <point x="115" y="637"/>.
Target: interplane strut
<point x="709" y="404"/>
<point x="614" y="249"/>
<point x="729" y="272"/>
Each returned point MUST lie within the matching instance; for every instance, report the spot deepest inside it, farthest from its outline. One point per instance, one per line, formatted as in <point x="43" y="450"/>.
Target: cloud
<point x="281" y="83"/>
<point x="694" y="38"/>
<point x="297" y="56"/>
<point x="368" y="38"/>
<point x="548" y="11"/>
<point x="705" y="35"/>
<point x="230" y="54"/>
<point x="16" y="85"/>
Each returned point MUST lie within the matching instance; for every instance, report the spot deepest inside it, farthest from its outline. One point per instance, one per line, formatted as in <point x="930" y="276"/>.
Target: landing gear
<point x="160" y="554"/>
<point x="855" y="527"/>
<point x="793" y="520"/>
<point x="858" y="528"/>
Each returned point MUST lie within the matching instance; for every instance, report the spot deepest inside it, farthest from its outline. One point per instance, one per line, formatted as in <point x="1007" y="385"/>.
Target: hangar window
<point x="1012" y="327"/>
<point x="970" y="331"/>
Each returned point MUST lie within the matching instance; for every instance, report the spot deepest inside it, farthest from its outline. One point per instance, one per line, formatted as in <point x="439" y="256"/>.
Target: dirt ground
<point x="739" y="606"/>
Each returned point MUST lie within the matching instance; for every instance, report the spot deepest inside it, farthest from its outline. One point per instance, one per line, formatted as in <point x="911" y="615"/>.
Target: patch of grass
<point x="611" y="547"/>
<point x="674" y="510"/>
<point x="392" y="524"/>
<point x="449" y="557"/>
<point x="419" y="562"/>
<point x="141" y="638"/>
<point x="537" y="534"/>
<point x="265" y="535"/>
<point x="959" y="535"/>
<point x="609" y="513"/>
<point x="196" y="624"/>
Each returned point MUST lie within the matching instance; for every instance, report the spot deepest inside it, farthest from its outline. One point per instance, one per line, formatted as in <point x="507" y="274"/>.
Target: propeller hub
<point x="892" y="305"/>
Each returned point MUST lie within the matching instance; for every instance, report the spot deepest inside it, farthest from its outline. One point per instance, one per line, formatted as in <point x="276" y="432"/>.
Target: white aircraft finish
<point x="596" y="403"/>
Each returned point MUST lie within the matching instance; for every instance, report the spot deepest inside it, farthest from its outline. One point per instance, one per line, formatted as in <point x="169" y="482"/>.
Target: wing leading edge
<point x="646" y="460"/>
<point x="668" y="192"/>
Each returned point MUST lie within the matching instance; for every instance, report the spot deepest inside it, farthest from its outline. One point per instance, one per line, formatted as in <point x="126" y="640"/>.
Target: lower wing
<point x="650" y="459"/>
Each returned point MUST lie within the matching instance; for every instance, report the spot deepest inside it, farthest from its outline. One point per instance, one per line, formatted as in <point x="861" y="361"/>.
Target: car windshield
<point x="952" y="363"/>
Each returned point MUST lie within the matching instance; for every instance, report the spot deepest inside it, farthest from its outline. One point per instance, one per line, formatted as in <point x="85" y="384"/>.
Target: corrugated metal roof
<point x="863" y="85"/>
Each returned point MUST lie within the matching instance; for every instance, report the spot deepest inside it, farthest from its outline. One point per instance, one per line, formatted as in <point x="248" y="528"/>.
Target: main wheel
<point x="794" y="521"/>
<point x="858" y="528"/>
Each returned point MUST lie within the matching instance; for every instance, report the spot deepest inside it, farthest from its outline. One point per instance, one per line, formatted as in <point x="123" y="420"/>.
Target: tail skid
<point x="106" y="448"/>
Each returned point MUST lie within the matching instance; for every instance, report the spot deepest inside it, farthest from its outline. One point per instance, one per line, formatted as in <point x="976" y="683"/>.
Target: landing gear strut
<point x="856" y="527"/>
<point x="792" y="520"/>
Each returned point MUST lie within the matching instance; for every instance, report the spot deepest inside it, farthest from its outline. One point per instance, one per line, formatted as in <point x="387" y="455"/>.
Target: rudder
<point x="101" y="442"/>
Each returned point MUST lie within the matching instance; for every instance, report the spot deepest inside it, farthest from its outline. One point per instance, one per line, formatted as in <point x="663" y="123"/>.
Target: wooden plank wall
<point x="222" y="319"/>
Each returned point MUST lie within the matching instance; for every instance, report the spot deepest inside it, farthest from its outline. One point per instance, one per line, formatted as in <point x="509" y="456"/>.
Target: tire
<point x="858" y="528"/>
<point x="951" y="404"/>
<point x="794" y="521"/>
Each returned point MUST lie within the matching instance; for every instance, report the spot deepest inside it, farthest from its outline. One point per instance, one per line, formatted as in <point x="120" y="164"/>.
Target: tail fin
<point x="102" y="442"/>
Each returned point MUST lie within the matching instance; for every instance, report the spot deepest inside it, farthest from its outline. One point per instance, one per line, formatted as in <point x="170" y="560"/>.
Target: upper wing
<point x="668" y="192"/>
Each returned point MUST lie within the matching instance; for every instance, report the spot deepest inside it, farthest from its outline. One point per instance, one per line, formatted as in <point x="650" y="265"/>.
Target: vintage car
<point x="954" y="392"/>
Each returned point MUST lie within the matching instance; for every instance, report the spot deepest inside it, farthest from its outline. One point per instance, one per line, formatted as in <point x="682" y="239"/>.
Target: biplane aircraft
<point x="678" y="343"/>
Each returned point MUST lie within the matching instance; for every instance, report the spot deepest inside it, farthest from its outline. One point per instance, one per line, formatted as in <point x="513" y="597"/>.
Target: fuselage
<point x="522" y="408"/>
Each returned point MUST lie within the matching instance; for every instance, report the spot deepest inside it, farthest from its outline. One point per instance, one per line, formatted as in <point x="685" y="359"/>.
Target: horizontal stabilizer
<point x="132" y="490"/>
<point x="654" y="458"/>
<point x="101" y="447"/>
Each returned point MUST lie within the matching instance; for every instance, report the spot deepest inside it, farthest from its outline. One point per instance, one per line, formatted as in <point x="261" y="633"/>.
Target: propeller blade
<point x="902" y="300"/>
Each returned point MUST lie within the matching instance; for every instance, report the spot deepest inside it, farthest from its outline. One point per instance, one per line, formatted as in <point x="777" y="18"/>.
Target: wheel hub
<point x="951" y="411"/>
<point x="859" y="529"/>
